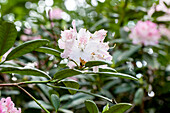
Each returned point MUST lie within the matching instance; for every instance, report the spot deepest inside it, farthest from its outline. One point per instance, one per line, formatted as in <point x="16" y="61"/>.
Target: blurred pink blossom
<point x="164" y="31"/>
<point x="127" y="29"/>
<point x="83" y="46"/>
<point x="161" y="7"/>
<point x="145" y="33"/>
<point x="56" y="13"/>
<point x="73" y="78"/>
<point x="26" y="38"/>
<point x="28" y="31"/>
<point x="151" y="10"/>
<point x="164" y="18"/>
<point x="7" y="106"/>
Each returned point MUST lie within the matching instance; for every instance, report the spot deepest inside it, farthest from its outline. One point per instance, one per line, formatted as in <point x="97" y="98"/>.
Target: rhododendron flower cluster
<point x="83" y="46"/>
<point x="145" y="33"/>
<point x="7" y="106"/>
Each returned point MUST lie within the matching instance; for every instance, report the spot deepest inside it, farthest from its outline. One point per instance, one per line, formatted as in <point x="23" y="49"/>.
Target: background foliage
<point x="150" y="64"/>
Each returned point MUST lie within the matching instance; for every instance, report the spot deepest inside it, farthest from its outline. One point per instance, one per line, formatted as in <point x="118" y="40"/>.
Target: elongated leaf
<point x="26" y="48"/>
<point x="105" y="108"/>
<point x="96" y="63"/>
<point x="91" y="106"/>
<point x="24" y="71"/>
<point x="8" y="34"/>
<point x="45" y="89"/>
<point x="33" y="104"/>
<point x="128" y="53"/>
<point x="101" y="21"/>
<point x="119" y="108"/>
<point x="71" y="84"/>
<point x="51" y="91"/>
<point x="120" y="75"/>
<point x="138" y="96"/>
<point x="77" y="100"/>
<point x="122" y="40"/>
<point x="158" y="13"/>
<point x="66" y="73"/>
<point x="55" y="101"/>
<point x="82" y="91"/>
<point x="64" y="110"/>
<point x="107" y="69"/>
<point x="49" y="51"/>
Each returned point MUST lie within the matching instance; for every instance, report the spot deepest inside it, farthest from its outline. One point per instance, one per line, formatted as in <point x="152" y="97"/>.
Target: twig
<point x="33" y="98"/>
<point x="44" y="29"/>
<point x="28" y="82"/>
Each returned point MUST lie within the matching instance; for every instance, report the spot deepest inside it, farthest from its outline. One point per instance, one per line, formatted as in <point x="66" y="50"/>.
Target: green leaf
<point x="151" y="61"/>
<point x="82" y="91"/>
<point x="128" y="53"/>
<point x="33" y="104"/>
<point x="26" y="48"/>
<point x="119" y="108"/>
<point x="123" y="34"/>
<point x="101" y="21"/>
<point x="62" y="110"/>
<point x="120" y="75"/>
<point x="77" y="100"/>
<point x="105" y="108"/>
<point x="66" y="73"/>
<point x="107" y="69"/>
<point x="138" y="96"/>
<point x="71" y="84"/>
<point x="122" y="88"/>
<point x="8" y="34"/>
<point x="9" y="92"/>
<point x="51" y="91"/>
<point x="49" y="51"/>
<point x="91" y="106"/>
<point x="24" y="71"/>
<point x="167" y="5"/>
<point x="55" y="101"/>
<point x="45" y="89"/>
<point x="96" y="63"/>
<point x="158" y="13"/>
<point x="122" y="40"/>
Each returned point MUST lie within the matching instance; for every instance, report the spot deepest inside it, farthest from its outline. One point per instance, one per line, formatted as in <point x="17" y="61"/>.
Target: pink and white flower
<point x="56" y="13"/>
<point x="145" y="33"/>
<point x="164" y="31"/>
<point x="161" y="7"/>
<point x="83" y="46"/>
<point x="7" y="106"/>
<point x="28" y="31"/>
